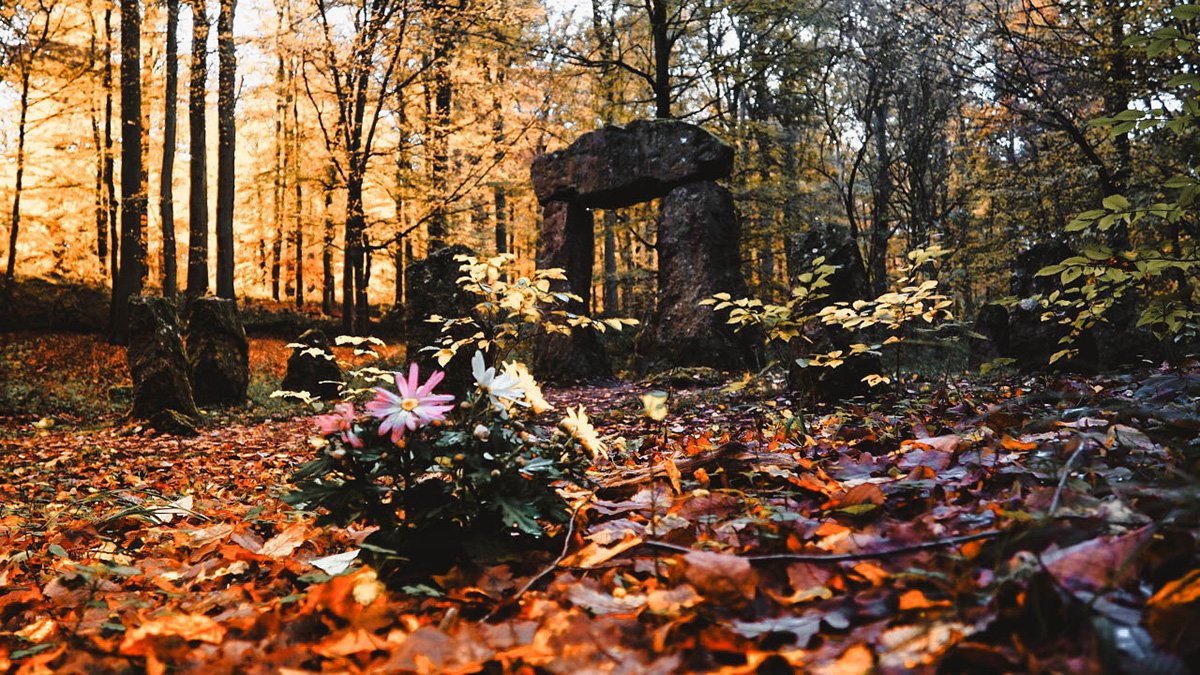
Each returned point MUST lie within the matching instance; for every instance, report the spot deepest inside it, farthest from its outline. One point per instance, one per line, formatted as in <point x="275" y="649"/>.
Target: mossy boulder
<point x="218" y="353"/>
<point x="158" y="366"/>
<point x="311" y="367"/>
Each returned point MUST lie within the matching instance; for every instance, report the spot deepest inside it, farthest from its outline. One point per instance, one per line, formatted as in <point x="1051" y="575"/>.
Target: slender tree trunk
<point x="660" y="33"/>
<point x="327" y="288"/>
<point x="610" y="263"/>
<point x="110" y="185"/>
<point x="298" y="243"/>
<point x="166" y="188"/>
<point x="133" y="201"/>
<point x="353" y="274"/>
<point x="15" y="224"/>
<point x="278" y="185"/>
<point x="197" y="277"/>
<point x="144" y="144"/>
<point x="226" y="138"/>
<point x="99" y="205"/>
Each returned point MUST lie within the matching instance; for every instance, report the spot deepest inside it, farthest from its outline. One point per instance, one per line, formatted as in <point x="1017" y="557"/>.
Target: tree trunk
<point x="327" y="290"/>
<point x="197" y="278"/>
<point x="166" y="190"/>
<point x="110" y="184"/>
<point x="298" y="243"/>
<point x="353" y="276"/>
<point x="15" y="225"/>
<point x="133" y="201"/>
<point x="279" y="183"/>
<point x="226" y="130"/>
<point x="610" y="263"/>
<point x="99" y="203"/>
<point x="662" y="58"/>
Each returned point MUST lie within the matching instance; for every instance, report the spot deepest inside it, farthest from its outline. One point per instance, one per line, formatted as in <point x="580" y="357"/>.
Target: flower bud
<point x="482" y="433"/>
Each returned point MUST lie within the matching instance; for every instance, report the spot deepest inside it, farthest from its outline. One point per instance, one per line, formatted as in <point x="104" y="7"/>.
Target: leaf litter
<point x="1046" y="524"/>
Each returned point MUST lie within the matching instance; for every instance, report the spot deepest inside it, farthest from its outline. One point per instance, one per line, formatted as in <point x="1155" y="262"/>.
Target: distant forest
<point x="300" y="149"/>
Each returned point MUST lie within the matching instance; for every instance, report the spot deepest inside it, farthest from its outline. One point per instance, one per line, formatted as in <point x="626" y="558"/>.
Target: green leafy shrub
<point x="913" y="298"/>
<point x="508" y="313"/>
<point x="433" y="470"/>
<point x="1113" y="266"/>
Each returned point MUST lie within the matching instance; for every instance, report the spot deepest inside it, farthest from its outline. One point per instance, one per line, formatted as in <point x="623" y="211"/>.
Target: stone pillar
<point x="162" y="394"/>
<point x="698" y="255"/>
<point x="567" y="240"/>
<point x="217" y="351"/>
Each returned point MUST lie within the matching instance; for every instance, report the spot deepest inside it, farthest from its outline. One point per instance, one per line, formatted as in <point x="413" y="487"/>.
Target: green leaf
<point x="1116" y="203"/>
<point x="1185" y="12"/>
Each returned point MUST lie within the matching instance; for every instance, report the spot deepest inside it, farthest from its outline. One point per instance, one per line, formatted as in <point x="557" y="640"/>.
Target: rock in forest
<point x="312" y="368"/>
<point x="698" y="256"/>
<point x="615" y="167"/>
<point x="847" y="283"/>
<point x="434" y="290"/>
<point x="217" y="351"/>
<point x="566" y="240"/>
<point x="162" y="393"/>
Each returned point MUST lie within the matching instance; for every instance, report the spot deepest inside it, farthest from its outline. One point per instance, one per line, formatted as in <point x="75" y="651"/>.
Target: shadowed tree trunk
<point x="110" y="186"/>
<point x="133" y="200"/>
<point x="226" y="129"/>
<point x="197" y="276"/>
<point x="166" y="190"/>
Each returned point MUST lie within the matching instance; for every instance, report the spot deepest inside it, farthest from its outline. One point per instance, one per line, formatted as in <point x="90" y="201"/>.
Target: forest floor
<point x="1041" y="524"/>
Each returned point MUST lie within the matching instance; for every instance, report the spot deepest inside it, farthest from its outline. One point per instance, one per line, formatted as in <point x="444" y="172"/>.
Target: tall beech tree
<point x="226" y="146"/>
<point x="166" y="194"/>
<point x="133" y="200"/>
<point x="197" y="276"/>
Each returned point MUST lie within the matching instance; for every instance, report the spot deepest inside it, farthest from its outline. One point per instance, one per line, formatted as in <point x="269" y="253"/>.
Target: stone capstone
<point x="615" y="167"/>
<point x="566" y="240"/>
<point x="162" y="393"/>
<point x="698" y="256"/>
<point x="218" y="353"/>
<point x="312" y="368"/>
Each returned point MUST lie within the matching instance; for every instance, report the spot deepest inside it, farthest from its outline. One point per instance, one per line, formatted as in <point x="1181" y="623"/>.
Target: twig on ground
<point x="1062" y="481"/>
<point x="549" y="568"/>
<point x="845" y="557"/>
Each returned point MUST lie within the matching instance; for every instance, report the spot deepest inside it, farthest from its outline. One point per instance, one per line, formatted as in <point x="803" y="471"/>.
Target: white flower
<point x="502" y="390"/>
<point x="482" y="432"/>
<point x="533" y="393"/>
<point x="577" y="424"/>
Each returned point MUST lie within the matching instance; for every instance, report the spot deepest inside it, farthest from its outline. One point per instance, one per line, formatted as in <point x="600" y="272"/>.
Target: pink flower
<point x="416" y="406"/>
<point x="341" y="421"/>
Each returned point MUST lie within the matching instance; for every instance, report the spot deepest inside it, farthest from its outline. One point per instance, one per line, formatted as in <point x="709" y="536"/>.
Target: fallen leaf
<point x="285" y="543"/>
<point x="594" y="554"/>
<point x="185" y="626"/>
<point x="721" y="576"/>
<point x="351" y="642"/>
<point x="601" y="603"/>
<point x="1098" y="562"/>
<point x="672" y="601"/>
<point x="334" y="565"/>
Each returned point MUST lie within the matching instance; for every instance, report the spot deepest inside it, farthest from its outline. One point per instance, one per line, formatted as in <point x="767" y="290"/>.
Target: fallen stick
<point x="844" y="557"/>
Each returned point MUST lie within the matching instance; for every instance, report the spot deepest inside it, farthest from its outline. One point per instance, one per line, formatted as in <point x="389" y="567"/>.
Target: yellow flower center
<point x="410" y="404"/>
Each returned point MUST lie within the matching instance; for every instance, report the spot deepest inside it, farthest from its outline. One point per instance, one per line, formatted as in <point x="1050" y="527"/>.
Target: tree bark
<point x="327" y="288"/>
<point x="167" y="178"/>
<point x="110" y="185"/>
<point x="133" y="200"/>
<point x="15" y="224"/>
<point x="226" y="147"/>
<point x="197" y="276"/>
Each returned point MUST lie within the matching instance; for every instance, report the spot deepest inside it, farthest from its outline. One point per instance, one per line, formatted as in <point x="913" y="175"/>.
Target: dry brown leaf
<point x="186" y="626"/>
<point x="1097" y="562"/>
<point x="285" y="543"/>
<point x="672" y="601"/>
<point x="594" y="554"/>
<point x="721" y="576"/>
<point x="352" y="642"/>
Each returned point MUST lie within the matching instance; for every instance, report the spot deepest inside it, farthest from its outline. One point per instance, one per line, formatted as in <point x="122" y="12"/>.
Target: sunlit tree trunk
<point x="327" y="286"/>
<point x="197" y="277"/>
<point x="279" y="184"/>
<point x="133" y="200"/>
<point x="15" y="223"/>
<point x="110" y="186"/>
<point x="226" y="130"/>
<point x="99" y="203"/>
<point x="166" y="190"/>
